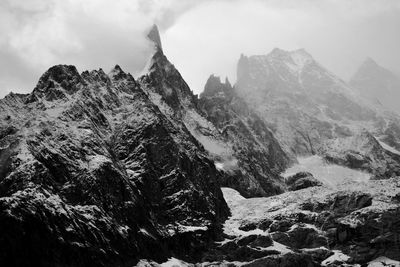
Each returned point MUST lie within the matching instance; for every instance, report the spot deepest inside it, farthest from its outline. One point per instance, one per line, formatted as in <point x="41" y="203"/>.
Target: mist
<point x="199" y="37"/>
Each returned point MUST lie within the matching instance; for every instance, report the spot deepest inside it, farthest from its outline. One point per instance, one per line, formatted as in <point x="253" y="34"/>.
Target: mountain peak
<point x="278" y="52"/>
<point x="65" y="75"/>
<point x="154" y="36"/>
<point x="369" y="62"/>
<point x="294" y="60"/>
<point x="299" y="57"/>
<point x="377" y="84"/>
<point x="117" y="73"/>
<point x="214" y="87"/>
<point x="301" y="52"/>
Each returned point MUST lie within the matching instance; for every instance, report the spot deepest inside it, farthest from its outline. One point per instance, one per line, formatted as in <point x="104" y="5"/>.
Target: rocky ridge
<point x="246" y="153"/>
<point x="94" y="174"/>
<point x="260" y="158"/>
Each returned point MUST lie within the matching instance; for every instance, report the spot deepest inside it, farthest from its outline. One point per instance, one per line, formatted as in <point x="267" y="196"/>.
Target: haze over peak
<point x="154" y="36"/>
<point x="378" y="84"/>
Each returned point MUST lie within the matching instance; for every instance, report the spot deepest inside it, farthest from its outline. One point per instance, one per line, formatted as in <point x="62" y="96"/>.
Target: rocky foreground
<point x="349" y="222"/>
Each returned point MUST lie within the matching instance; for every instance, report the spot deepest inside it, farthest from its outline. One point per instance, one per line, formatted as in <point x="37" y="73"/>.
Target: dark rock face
<point x="301" y="237"/>
<point x="93" y="174"/>
<point x="301" y="180"/>
<point x="258" y="153"/>
<point x="341" y="202"/>
<point x="243" y="249"/>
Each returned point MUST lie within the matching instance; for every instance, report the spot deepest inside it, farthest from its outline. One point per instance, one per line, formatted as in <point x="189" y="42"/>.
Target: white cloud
<point x="200" y="37"/>
<point x="340" y="34"/>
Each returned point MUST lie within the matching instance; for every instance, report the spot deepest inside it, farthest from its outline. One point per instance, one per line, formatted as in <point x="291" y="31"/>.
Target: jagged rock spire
<point x="214" y="86"/>
<point x="154" y="36"/>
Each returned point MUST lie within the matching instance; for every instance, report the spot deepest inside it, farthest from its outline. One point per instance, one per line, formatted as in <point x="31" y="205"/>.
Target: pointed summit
<point x="214" y="87"/>
<point x="154" y="36"/>
<point x="117" y="73"/>
<point x="370" y="61"/>
<point x="377" y="84"/>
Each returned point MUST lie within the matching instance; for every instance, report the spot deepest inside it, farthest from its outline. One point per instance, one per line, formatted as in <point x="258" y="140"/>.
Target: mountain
<point x="305" y="105"/>
<point x="259" y="157"/>
<point x="104" y="169"/>
<point x="340" y="202"/>
<point x="94" y="174"/>
<point x="377" y="84"/>
<point x="247" y="154"/>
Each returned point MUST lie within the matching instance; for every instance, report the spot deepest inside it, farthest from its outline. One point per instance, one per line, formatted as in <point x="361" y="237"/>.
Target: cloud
<point x="90" y="34"/>
<point x="199" y="36"/>
<point x="340" y="34"/>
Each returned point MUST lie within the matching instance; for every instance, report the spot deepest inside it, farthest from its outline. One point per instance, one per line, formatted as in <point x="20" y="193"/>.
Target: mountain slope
<point x="92" y="168"/>
<point x="250" y="160"/>
<point x="259" y="156"/>
<point x="377" y="84"/>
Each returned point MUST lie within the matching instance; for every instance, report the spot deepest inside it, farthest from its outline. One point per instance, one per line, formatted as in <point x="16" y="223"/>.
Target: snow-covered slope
<point x="329" y="174"/>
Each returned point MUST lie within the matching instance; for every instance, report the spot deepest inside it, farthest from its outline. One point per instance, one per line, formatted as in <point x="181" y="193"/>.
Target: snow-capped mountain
<point x="247" y="154"/>
<point x="104" y="169"/>
<point x="94" y="174"/>
<point x="379" y="85"/>
<point x="259" y="157"/>
<point x="305" y="105"/>
<point x="109" y="168"/>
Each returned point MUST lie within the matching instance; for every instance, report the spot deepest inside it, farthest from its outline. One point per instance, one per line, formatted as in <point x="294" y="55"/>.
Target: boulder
<point x="301" y="180"/>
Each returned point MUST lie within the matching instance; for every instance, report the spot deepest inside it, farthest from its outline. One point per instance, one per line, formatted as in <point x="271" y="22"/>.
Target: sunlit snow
<point x="329" y="174"/>
<point x="389" y="148"/>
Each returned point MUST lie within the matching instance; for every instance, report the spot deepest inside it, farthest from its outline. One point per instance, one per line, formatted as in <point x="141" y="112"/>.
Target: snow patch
<point x="388" y="148"/>
<point x="173" y="262"/>
<point x="337" y="256"/>
<point x="230" y="163"/>
<point x="383" y="261"/>
<point x="329" y="174"/>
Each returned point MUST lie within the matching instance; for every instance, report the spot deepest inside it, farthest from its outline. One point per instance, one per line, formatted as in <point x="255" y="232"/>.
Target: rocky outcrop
<point x="301" y="180"/>
<point x="362" y="151"/>
<point x="352" y="224"/>
<point x="93" y="173"/>
<point x="259" y="156"/>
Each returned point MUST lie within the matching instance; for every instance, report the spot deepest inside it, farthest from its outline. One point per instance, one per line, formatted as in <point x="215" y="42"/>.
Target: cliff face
<point x="259" y="157"/>
<point x="245" y="152"/>
<point x="93" y="173"/>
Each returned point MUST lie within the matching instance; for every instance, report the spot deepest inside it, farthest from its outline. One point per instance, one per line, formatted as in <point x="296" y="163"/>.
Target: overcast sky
<point x="199" y="36"/>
